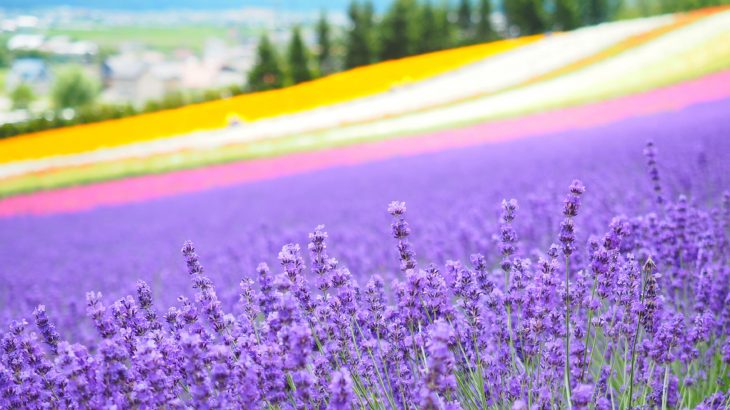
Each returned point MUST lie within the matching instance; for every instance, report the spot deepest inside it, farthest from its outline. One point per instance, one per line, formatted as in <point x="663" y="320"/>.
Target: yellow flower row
<point x="333" y="89"/>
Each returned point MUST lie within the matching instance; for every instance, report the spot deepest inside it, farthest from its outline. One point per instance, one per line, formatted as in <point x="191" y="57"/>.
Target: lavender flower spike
<point x="650" y="154"/>
<point x="48" y="330"/>
<point x="400" y="232"/>
<point x="342" y="395"/>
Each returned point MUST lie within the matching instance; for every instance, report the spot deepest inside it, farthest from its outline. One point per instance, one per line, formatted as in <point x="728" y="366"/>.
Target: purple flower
<point x="47" y="329"/>
<point x="401" y="231"/>
<point x="582" y="396"/>
<point x="508" y="236"/>
<point x="322" y="264"/>
<point x="439" y="383"/>
<point x="650" y="154"/>
<point x="341" y="396"/>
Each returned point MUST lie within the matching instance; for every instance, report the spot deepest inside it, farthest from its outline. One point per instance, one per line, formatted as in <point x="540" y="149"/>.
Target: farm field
<point x="165" y="39"/>
<point x="538" y="223"/>
<point x="104" y="248"/>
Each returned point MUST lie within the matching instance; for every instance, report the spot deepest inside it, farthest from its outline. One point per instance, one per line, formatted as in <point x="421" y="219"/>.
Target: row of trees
<point x="411" y="27"/>
<point x="72" y="89"/>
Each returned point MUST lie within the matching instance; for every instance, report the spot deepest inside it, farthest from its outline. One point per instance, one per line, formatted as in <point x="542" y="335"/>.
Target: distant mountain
<point x="147" y="5"/>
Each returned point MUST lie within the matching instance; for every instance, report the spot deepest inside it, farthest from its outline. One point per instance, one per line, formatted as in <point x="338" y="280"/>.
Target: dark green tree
<point x="359" y="43"/>
<point x="22" y="96"/>
<point x="567" y="14"/>
<point x="465" y="20"/>
<point x="299" y="70"/>
<point x="266" y="73"/>
<point x="485" y="31"/>
<point x="527" y="15"/>
<point x="73" y="89"/>
<point x="445" y="34"/>
<point x="427" y="40"/>
<point x="324" y="46"/>
<point x="399" y="30"/>
<point x="595" y="11"/>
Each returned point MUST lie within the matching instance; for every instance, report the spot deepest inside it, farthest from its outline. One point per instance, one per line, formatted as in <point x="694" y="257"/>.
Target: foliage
<point x="398" y="30"/>
<point x="266" y="73"/>
<point x="465" y="19"/>
<point x="22" y="96"/>
<point x="73" y="89"/>
<point x="359" y="42"/>
<point x="567" y="14"/>
<point x="436" y="31"/>
<point x="528" y="16"/>
<point x="428" y="38"/>
<point x="298" y="57"/>
<point x="484" y="29"/>
<point x="325" y="59"/>
<point x="5" y="57"/>
<point x="595" y="11"/>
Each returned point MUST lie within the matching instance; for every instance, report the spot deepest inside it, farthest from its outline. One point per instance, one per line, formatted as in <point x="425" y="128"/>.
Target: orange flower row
<point x="336" y="88"/>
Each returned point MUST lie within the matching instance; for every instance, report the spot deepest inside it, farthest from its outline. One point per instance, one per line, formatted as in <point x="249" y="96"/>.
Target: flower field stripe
<point x="711" y="54"/>
<point x="680" y="20"/>
<point x="132" y="190"/>
<point x="335" y="88"/>
<point x="493" y="75"/>
<point x="609" y="79"/>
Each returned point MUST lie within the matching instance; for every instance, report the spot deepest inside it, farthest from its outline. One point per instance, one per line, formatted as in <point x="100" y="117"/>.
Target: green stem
<point x="567" y="332"/>
<point x="665" y="389"/>
<point x="508" y="309"/>
<point x="588" y="335"/>
<point x="633" y="364"/>
<point x="511" y="341"/>
<point x="645" y="271"/>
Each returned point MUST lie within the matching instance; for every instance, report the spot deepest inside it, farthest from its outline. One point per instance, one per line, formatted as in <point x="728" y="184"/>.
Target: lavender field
<point x="503" y="258"/>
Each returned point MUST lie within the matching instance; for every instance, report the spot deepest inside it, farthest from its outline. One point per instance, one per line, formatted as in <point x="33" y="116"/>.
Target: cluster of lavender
<point x="638" y="317"/>
<point x="454" y="205"/>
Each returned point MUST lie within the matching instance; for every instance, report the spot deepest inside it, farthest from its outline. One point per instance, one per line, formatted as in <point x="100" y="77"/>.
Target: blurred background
<point x="69" y="62"/>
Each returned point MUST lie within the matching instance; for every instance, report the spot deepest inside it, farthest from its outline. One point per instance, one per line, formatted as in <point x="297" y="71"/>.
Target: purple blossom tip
<point x="577" y="187"/>
<point x="396" y="208"/>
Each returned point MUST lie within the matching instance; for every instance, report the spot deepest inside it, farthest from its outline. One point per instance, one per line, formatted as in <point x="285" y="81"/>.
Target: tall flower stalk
<point x="567" y="239"/>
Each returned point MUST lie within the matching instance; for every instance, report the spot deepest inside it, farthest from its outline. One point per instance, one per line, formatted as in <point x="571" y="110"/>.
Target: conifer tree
<point x="427" y="38"/>
<point x="595" y="11"/>
<point x="398" y="30"/>
<point x="266" y="73"/>
<point x="484" y="30"/>
<point x="528" y="16"/>
<point x="566" y="15"/>
<point x="325" y="61"/>
<point x="358" y="44"/>
<point x="445" y="33"/>
<point x="298" y="58"/>
<point x="465" y="17"/>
